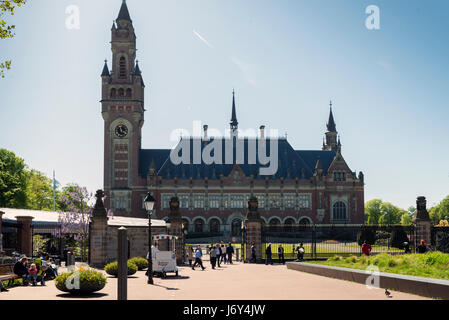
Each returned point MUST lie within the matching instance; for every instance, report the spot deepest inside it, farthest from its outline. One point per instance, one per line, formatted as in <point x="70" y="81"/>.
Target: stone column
<point x="176" y="229"/>
<point x="422" y="223"/>
<point x="98" y="233"/>
<point x="1" y="235"/>
<point x="253" y="224"/>
<point x="25" y="235"/>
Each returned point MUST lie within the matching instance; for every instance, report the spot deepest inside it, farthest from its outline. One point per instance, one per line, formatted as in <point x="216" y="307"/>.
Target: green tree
<point x="390" y="214"/>
<point x="406" y="219"/>
<point x="440" y="211"/>
<point x="6" y="30"/>
<point x="39" y="191"/>
<point x="373" y="211"/>
<point x="13" y="179"/>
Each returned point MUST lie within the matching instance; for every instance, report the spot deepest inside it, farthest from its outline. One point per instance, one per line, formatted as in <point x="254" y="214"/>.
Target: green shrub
<point x="140" y="262"/>
<point x="351" y="259"/>
<point x="112" y="268"/>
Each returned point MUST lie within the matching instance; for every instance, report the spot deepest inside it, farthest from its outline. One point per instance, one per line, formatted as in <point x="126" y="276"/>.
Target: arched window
<point x="236" y="227"/>
<point x="128" y="93"/>
<point x="214" y="226"/>
<point x="199" y="224"/>
<point x="304" y="222"/>
<point x="339" y="211"/>
<point x="121" y="92"/>
<point x="288" y="224"/>
<point x="122" y="68"/>
<point x="275" y="224"/>
<point x="113" y="93"/>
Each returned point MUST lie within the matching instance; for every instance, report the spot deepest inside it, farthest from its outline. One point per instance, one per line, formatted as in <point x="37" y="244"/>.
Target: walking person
<point x="268" y="255"/>
<point x="300" y="252"/>
<point x="281" y="254"/>
<point x="198" y="261"/>
<point x="219" y="253"/>
<point x="230" y="252"/>
<point x="213" y="256"/>
<point x="190" y="255"/>
<point x="223" y="253"/>
<point x="253" y="253"/>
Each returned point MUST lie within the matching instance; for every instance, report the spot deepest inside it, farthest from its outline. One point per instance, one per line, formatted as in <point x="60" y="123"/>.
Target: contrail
<point x="202" y="39"/>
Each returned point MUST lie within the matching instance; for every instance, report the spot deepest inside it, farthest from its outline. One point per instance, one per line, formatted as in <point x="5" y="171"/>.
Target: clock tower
<point x="122" y="105"/>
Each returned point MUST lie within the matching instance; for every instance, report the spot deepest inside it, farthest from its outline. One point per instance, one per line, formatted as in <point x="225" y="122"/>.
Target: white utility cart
<point x="165" y="261"/>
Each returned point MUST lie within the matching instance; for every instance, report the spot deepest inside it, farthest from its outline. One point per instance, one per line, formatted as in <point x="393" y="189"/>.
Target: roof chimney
<point x="205" y="127"/>
<point x="262" y="132"/>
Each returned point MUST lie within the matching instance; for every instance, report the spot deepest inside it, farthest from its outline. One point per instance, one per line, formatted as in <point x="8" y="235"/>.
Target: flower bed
<point x="81" y="281"/>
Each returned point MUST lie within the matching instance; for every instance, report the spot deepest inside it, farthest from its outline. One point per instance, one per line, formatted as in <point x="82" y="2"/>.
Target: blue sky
<point x="286" y="59"/>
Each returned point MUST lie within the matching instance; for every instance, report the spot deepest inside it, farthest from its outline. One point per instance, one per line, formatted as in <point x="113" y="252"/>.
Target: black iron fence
<point x="324" y="241"/>
<point x="440" y="238"/>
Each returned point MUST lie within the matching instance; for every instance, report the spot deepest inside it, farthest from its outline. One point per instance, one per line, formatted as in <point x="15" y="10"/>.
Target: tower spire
<point x="234" y="123"/>
<point x="331" y="127"/>
<point x="124" y="12"/>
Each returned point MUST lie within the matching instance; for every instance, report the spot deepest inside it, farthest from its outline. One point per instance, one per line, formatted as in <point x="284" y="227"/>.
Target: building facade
<point x="313" y="186"/>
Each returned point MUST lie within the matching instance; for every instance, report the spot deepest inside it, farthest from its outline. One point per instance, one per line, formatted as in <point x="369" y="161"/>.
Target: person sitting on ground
<point x="366" y="248"/>
<point x="422" y="248"/>
<point x="20" y="268"/>
<point x="32" y="271"/>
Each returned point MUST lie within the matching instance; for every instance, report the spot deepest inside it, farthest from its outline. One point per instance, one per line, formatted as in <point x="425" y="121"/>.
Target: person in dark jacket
<point x="21" y="269"/>
<point x="268" y="254"/>
<point x="422" y="248"/>
<point x="281" y="254"/>
<point x="230" y="252"/>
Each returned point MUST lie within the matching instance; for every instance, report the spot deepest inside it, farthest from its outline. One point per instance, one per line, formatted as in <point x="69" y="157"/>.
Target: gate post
<point x="253" y="224"/>
<point x="1" y="235"/>
<point x="98" y="228"/>
<point x="26" y="237"/>
<point x="176" y="229"/>
<point x="422" y="223"/>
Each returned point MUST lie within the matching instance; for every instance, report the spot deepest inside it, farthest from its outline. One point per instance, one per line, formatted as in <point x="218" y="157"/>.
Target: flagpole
<point x="54" y="185"/>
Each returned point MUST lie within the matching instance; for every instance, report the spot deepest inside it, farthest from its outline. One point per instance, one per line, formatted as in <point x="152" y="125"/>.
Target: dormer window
<point x="339" y="176"/>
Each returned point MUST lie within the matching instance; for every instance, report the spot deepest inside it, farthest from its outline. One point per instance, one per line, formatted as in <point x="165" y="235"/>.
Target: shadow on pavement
<point x="77" y="296"/>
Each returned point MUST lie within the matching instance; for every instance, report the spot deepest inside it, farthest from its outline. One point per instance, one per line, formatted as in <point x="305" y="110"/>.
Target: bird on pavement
<point x="388" y="294"/>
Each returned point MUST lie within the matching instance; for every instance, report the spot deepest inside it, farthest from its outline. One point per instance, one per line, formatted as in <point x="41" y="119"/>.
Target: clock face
<point x="121" y="131"/>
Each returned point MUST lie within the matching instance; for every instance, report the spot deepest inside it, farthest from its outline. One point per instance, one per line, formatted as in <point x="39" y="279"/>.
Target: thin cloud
<point x="245" y="69"/>
<point x="203" y="39"/>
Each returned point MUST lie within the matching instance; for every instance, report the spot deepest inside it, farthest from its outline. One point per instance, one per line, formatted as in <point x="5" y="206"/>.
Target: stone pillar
<point x="176" y="229"/>
<point x="1" y="235"/>
<point x="422" y="223"/>
<point x="253" y="224"/>
<point x="98" y="232"/>
<point x="25" y="235"/>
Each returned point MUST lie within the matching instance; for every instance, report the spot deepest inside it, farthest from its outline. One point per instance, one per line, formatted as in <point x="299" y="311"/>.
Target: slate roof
<point x="292" y="163"/>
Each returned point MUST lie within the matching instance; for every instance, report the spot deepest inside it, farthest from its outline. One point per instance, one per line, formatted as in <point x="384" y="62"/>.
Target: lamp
<point x="149" y="202"/>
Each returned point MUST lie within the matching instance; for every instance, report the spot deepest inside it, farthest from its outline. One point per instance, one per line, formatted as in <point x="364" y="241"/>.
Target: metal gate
<point x="324" y="241"/>
<point x="440" y="238"/>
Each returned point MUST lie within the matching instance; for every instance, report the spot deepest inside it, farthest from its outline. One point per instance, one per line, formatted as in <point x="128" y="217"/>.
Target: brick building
<point x="313" y="186"/>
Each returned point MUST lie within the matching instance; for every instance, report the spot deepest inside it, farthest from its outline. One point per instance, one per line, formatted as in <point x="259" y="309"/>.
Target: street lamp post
<point x="149" y="205"/>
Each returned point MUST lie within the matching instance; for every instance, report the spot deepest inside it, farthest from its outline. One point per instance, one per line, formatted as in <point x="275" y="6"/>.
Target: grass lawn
<point x="430" y="265"/>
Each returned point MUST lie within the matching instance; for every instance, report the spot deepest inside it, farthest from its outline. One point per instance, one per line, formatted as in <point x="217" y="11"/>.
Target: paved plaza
<point x="231" y="282"/>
